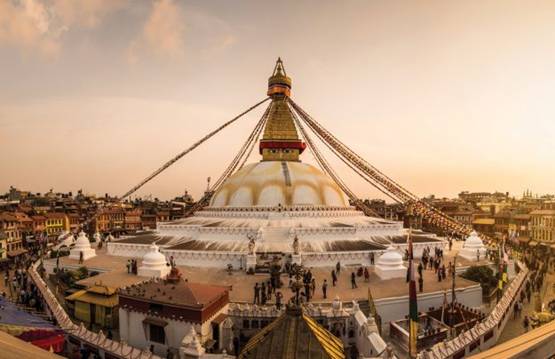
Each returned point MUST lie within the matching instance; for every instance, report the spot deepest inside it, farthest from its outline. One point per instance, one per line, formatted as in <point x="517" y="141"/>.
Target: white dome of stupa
<point x="473" y="240"/>
<point x="82" y="241"/>
<point x="154" y="263"/>
<point x="390" y="264"/>
<point x="82" y="248"/>
<point x="473" y="248"/>
<point x="391" y="257"/>
<point x="153" y="258"/>
<point x="271" y="183"/>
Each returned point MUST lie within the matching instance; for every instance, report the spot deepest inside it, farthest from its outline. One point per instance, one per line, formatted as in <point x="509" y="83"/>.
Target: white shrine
<point x="154" y="264"/>
<point x="473" y="248"/>
<point x="390" y="265"/>
<point x="82" y="248"/>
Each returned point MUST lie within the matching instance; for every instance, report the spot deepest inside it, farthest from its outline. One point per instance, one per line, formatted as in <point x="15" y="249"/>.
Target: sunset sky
<point x="442" y="96"/>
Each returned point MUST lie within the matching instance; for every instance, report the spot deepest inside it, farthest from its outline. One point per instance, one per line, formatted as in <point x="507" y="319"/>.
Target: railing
<point x="480" y="334"/>
<point x="97" y="340"/>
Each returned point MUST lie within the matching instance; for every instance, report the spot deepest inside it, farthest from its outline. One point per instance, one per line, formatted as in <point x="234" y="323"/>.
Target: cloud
<point x="27" y="25"/>
<point x="162" y="34"/>
<point x="38" y="25"/>
<point x="86" y="13"/>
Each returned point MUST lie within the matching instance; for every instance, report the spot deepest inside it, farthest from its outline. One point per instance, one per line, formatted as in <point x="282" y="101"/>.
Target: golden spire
<point x="280" y="141"/>
<point x="279" y="84"/>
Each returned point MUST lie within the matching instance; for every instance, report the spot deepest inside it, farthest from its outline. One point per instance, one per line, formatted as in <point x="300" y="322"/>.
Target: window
<point x="157" y="334"/>
<point x="246" y="324"/>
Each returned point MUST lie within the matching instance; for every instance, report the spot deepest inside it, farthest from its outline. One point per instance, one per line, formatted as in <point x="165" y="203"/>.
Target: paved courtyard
<point x="242" y="284"/>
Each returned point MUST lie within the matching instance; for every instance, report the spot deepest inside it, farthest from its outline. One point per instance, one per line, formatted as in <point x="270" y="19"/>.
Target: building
<point x="161" y="312"/>
<point x="3" y="247"/>
<point x="542" y="225"/>
<point x="10" y="226"/>
<point x="110" y="219"/>
<point x="97" y="306"/>
<point x="56" y="223"/>
<point x="39" y="224"/>
<point x="476" y="197"/>
<point x="162" y="215"/>
<point x="74" y="222"/>
<point x="484" y="225"/>
<point x="133" y="221"/>
<point x="148" y="220"/>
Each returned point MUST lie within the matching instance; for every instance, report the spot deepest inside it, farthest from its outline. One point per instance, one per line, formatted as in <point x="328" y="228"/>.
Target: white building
<point x="162" y="312"/>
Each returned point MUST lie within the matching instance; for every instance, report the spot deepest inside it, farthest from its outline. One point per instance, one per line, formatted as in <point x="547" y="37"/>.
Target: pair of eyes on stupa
<point x="276" y="151"/>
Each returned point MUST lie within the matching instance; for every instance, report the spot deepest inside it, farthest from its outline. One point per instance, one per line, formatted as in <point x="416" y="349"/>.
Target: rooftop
<point x="180" y="293"/>
<point x="296" y="335"/>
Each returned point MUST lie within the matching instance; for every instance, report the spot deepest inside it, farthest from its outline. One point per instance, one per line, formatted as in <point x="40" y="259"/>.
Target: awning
<point x="17" y="252"/>
<point x="155" y="321"/>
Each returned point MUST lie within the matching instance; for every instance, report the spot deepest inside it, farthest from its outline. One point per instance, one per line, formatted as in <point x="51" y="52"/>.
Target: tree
<point x="483" y="275"/>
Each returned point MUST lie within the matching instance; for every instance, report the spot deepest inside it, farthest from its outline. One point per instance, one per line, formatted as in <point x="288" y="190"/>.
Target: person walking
<point x="256" y="294"/>
<point x="279" y="296"/>
<point x="325" y="289"/>
<point x="372" y="258"/>
<point x="366" y="275"/>
<point x="263" y="297"/>
<point x="420" y="284"/>
<point x="353" y="281"/>
<point x="333" y="277"/>
<point x="338" y="268"/>
<point x="526" y="323"/>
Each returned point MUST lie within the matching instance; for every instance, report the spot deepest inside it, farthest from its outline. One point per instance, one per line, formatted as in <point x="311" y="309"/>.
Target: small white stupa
<point x="82" y="245"/>
<point x="473" y="248"/>
<point x="154" y="264"/>
<point x="190" y="344"/>
<point x="390" y="265"/>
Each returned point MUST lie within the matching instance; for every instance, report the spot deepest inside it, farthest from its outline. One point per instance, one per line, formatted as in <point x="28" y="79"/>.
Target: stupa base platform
<point x="472" y="255"/>
<point x="88" y="253"/>
<point x="153" y="273"/>
<point x="386" y="273"/>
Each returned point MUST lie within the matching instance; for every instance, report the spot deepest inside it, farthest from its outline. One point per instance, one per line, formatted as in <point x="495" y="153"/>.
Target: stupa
<point x="277" y="207"/>
<point x="390" y="264"/>
<point x="82" y="248"/>
<point x="154" y="264"/>
<point x="473" y="248"/>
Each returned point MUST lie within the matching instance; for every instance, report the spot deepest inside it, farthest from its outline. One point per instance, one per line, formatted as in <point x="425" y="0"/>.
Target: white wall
<point x="134" y="332"/>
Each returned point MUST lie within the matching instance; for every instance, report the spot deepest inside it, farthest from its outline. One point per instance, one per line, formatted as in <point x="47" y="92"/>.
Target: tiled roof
<point x="182" y="293"/>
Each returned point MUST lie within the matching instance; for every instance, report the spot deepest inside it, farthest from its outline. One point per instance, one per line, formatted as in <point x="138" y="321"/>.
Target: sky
<point x="442" y="96"/>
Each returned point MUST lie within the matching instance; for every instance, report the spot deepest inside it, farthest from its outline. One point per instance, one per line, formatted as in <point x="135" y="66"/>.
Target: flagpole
<point x="413" y="305"/>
